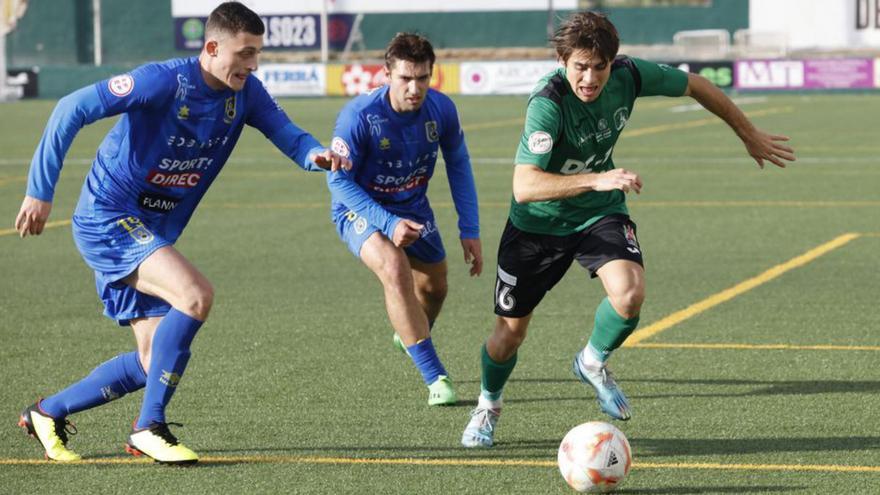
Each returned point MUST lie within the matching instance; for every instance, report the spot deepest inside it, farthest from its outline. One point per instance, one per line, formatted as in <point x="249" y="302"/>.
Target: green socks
<point x="610" y="330"/>
<point x="495" y="375"/>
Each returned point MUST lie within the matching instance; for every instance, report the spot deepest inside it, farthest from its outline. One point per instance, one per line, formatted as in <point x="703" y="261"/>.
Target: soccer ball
<point x="594" y="457"/>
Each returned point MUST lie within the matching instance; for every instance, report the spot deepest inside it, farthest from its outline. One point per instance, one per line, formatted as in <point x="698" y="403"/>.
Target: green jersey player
<point x="569" y="204"/>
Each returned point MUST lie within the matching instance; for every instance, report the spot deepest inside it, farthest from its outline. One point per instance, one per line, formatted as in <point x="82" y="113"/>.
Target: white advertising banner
<point x="294" y="79"/>
<point x="201" y="8"/>
<point x="503" y="78"/>
<point x="769" y="74"/>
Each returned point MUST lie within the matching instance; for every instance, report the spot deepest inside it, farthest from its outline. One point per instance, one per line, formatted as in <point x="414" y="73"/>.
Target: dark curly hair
<point x="586" y="31"/>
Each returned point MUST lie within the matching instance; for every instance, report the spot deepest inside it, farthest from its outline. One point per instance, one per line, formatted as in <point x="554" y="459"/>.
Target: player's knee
<point x="395" y="273"/>
<point x="510" y="335"/>
<point x="198" y="299"/>
<point x="436" y="290"/>
<point x="628" y="303"/>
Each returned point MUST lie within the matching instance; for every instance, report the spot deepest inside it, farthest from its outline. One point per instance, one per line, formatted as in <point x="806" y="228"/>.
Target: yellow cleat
<point x="158" y="443"/>
<point x="50" y="432"/>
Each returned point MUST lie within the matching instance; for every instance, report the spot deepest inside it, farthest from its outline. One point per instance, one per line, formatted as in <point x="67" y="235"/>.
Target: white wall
<point x="818" y="23"/>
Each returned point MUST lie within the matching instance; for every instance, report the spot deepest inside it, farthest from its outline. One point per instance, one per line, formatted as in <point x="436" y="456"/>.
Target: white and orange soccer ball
<point x="594" y="457"/>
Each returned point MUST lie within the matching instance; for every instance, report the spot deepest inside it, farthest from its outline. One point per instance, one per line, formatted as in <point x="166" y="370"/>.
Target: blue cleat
<point x="480" y="430"/>
<point x="610" y="397"/>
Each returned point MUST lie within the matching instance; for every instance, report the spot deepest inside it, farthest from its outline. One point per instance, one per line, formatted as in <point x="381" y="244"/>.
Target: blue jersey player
<point x="393" y="137"/>
<point x="179" y="122"/>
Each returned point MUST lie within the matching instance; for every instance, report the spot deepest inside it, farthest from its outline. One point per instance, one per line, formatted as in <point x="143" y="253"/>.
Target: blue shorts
<point x="114" y="243"/>
<point x="354" y="230"/>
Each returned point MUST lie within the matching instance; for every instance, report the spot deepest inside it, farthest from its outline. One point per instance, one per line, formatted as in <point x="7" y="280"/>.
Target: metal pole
<point x="2" y="62"/>
<point x="96" y="29"/>
<point x="324" y="42"/>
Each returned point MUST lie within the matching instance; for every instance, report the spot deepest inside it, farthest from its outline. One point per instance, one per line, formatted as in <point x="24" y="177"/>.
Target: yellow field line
<point x="787" y="347"/>
<point x="49" y="225"/>
<point x="697" y="123"/>
<point x="740" y="288"/>
<point x="456" y="462"/>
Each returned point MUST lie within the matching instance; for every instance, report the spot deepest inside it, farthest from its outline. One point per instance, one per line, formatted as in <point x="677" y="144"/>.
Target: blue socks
<point x="425" y="358"/>
<point x="110" y="380"/>
<point x="170" y="354"/>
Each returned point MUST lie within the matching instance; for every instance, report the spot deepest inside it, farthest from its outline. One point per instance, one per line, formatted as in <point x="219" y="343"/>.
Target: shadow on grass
<point x="545" y="449"/>
<point x="676" y="447"/>
<point x="759" y="387"/>
<point x="710" y="489"/>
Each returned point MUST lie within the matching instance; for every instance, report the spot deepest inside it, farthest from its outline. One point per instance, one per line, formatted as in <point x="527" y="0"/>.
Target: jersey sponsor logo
<point x="621" y="115"/>
<point x="183" y="113"/>
<point x="121" y="85"/>
<point x="157" y="202"/>
<point x="385" y="144"/>
<point x="183" y="87"/>
<point x="136" y="229"/>
<point x="431" y="131"/>
<point x="163" y="179"/>
<point x="340" y="147"/>
<point x="540" y="142"/>
<point x="573" y="166"/>
<point x="200" y="163"/>
<point x="185" y="142"/>
<point x="375" y="122"/>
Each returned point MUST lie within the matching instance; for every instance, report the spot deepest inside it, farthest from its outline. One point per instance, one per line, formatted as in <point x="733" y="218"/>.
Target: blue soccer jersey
<point x="393" y="157"/>
<point x="173" y="138"/>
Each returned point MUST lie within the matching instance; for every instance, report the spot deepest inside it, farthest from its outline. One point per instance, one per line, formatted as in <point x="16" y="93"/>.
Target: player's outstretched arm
<point x="530" y="183"/>
<point x="32" y="216"/>
<point x="759" y="144"/>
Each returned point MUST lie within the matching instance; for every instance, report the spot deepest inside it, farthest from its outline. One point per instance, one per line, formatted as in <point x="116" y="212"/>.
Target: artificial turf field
<point x="755" y="370"/>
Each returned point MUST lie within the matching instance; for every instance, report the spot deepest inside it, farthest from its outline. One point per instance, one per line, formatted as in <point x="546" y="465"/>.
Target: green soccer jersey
<point x="564" y="135"/>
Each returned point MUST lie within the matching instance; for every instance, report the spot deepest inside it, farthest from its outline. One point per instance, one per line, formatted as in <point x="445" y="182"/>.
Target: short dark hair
<point x="410" y="47"/>
<point x="234" y="18"/>
<point x="586" y="31"/>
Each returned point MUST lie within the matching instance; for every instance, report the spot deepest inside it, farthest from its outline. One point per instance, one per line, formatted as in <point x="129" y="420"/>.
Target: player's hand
<point x="32" y="216"/>
<point x="762" y="146"/>
<point x="332" y="161"/>
<point x="473" y="255"/>
<point x="618" y="178"/>
<point x="406" y="232"/>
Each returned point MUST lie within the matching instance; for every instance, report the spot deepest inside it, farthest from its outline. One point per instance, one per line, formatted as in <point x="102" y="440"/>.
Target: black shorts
<point x="529" y="264"/>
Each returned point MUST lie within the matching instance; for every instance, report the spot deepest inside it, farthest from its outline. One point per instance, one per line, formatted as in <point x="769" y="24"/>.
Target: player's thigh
<point x="167" y="274"/>
<point x="529" y="265"/>
<point x="427" y="257"/>
<point x="386" y="260"/>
